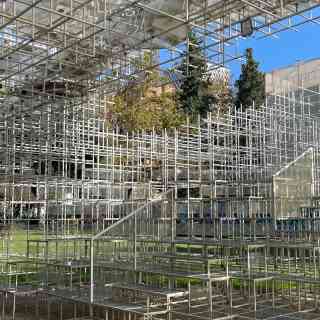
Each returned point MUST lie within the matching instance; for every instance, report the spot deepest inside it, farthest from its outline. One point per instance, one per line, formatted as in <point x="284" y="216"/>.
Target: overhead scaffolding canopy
<point x="93" y="42"/>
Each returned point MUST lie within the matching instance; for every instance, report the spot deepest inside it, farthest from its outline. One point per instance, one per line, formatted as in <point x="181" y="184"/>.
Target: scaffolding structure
<point x="63" y="48"/>
<point x="218" y="219"/>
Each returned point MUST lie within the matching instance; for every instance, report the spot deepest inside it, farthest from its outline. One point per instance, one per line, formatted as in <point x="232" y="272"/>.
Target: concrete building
<point x="302" y="78"/>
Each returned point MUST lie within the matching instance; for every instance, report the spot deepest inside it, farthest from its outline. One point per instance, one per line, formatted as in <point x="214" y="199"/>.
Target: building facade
<point x="302" y="80"/>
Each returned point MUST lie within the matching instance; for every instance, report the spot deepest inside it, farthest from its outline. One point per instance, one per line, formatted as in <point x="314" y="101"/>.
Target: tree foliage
<point x="194" y="96"/>
<point x="251" y="84"/>
<point x="143" y="105"/>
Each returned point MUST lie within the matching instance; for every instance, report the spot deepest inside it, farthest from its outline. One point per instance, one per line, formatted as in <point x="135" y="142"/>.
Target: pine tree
<point x="194" y="68"/>
<point x="251" y="84"/>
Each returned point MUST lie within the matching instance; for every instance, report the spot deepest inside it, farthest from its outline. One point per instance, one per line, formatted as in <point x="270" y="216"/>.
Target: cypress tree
<point x="194" y="68"/>
<point x="251" y="84"/>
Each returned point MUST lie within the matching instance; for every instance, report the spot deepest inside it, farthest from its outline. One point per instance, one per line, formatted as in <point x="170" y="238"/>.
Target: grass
<point x="14" y="242"/>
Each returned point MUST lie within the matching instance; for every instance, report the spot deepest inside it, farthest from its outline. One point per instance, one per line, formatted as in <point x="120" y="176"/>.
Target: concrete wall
<point x="303" y="74"/>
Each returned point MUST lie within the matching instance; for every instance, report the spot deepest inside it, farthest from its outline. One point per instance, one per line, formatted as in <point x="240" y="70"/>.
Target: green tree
<point x="193" y="95"/>
<point x="144" y="105"/>
<point x="251" y="84"/>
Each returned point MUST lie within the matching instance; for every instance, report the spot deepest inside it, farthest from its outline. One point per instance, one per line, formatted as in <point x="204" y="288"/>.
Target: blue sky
<point x="289" y="48"/>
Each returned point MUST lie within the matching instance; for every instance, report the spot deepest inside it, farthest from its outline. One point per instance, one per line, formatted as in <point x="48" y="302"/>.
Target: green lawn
<point x="14" y="240"/>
